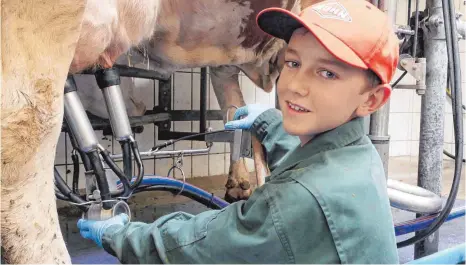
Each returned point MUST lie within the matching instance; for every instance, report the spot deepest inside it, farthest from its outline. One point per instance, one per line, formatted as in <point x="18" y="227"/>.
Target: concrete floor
<point x="151" y="205"/>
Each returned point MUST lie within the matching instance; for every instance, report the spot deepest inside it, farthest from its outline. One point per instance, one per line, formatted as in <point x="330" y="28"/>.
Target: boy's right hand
<point x="252" y="111"/>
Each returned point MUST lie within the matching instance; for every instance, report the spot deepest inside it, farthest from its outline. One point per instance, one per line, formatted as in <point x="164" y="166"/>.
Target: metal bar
<point x="416" y="28"/>
<point x="412" y="198"/>
<point x="168" y="153"/>
<point x="432" y="115"/>
<point x="405" y="87"/>
<point x="203" y="103"/>
<point x="131" y="72"/>
<point x="409" y="13"/>
<point x="404" y="31"/>
<point x="165" y="99"/>
<point x="191" y="115"/>
<point x="378" y="129"/>
<point x="170" y="135"/>
<point x="101" y="124"/>
<point x="378" y="133"/>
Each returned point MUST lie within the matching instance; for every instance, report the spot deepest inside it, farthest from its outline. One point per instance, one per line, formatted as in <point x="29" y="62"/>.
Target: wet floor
<point x="153" y="205"/>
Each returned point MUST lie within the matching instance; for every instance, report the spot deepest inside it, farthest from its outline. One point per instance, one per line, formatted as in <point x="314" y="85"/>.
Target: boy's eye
<point x="292" y="64"/>
<point x="327" y="74"/>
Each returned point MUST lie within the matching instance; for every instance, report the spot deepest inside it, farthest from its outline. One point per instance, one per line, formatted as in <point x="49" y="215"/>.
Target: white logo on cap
<point x="333" y="10"/>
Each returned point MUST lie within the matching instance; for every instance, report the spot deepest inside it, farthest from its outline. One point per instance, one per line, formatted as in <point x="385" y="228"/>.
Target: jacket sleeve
<point x="239" y="233"/>
<point x="268" y="128"/>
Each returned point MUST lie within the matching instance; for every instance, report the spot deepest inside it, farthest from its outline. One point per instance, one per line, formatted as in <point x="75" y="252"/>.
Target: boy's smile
<point x="318" y="92"/>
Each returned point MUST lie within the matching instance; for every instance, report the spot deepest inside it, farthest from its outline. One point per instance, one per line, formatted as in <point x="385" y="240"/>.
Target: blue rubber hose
<point x="151" y="182"/>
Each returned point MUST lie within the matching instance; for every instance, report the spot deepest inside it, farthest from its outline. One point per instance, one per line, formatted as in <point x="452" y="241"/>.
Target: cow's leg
<point x="227" y="90"/>
<point x="38" y="43"/>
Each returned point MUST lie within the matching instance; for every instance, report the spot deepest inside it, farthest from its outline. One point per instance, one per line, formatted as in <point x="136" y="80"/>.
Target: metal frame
<point x="162" y="114"/>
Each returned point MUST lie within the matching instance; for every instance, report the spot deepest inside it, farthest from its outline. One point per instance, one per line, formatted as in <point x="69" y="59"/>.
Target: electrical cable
<point x="399" y="79"/>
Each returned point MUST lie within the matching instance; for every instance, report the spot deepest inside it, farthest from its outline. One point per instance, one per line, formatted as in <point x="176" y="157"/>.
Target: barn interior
<point x="421" y="118"/>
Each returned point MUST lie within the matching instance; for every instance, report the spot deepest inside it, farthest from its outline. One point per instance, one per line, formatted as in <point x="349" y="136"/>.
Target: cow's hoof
<point x="237" y="190"/>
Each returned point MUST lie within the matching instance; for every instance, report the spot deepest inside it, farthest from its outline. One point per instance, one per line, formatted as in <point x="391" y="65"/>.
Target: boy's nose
<point x="298" y="86"/>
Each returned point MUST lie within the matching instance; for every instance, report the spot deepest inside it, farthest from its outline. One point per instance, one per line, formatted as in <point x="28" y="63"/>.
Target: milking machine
<point x="106" y="195"/>
<point x="100" y="202"/>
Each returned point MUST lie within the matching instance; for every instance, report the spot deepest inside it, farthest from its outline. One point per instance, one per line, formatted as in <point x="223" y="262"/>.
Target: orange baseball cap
<point x="354" y="31"/>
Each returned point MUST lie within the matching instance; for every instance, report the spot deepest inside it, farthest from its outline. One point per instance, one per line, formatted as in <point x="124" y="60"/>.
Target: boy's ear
<point x="375" y="98"/>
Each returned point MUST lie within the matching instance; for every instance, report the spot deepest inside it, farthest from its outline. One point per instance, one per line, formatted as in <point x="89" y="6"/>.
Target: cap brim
<point x="281" y="23"/>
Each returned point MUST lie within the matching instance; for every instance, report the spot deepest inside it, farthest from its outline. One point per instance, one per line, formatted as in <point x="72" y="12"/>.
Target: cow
<point x="45" y="40"/>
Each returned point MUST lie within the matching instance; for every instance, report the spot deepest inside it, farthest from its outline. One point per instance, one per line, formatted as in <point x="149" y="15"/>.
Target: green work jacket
<point x="324" y="202"/>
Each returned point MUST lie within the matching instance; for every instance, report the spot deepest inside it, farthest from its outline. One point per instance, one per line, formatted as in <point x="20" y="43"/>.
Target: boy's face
<point x="317" y="92"/>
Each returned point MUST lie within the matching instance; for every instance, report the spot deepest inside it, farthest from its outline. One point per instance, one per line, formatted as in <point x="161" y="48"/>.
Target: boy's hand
<point x="252" y="111"/>
<point x="94" y="230"/>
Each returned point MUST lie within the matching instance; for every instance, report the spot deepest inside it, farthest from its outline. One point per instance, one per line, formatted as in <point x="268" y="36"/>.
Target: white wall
<point x="405" y="107"/>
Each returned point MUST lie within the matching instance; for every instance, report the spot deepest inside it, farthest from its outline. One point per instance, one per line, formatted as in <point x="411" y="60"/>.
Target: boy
<point x="326" y="199"/>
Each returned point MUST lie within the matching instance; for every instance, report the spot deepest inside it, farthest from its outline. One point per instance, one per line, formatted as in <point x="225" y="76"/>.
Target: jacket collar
<point x="336" y="138"/>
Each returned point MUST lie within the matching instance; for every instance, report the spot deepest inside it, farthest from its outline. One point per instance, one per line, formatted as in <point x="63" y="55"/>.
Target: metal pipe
<point x="168" y="153"/>
<point x="203" y="103"/>
<point x="409" y="12"/>
<point x="128" y="71"/>
<point x="413" y="198"/>
<point x="117" y="113"/>
<point x="176" y="153"/>
<point x="416" y="27"/>
<point x="378" y="129"/>
<point x="404" y="31"/>
<point x="392" y="5"/>
<point x="432" y="114"/>
<point x="79" y="123"/>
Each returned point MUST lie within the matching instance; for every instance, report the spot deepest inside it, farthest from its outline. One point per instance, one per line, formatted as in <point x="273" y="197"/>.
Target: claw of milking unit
<point x="99" y="189"/>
